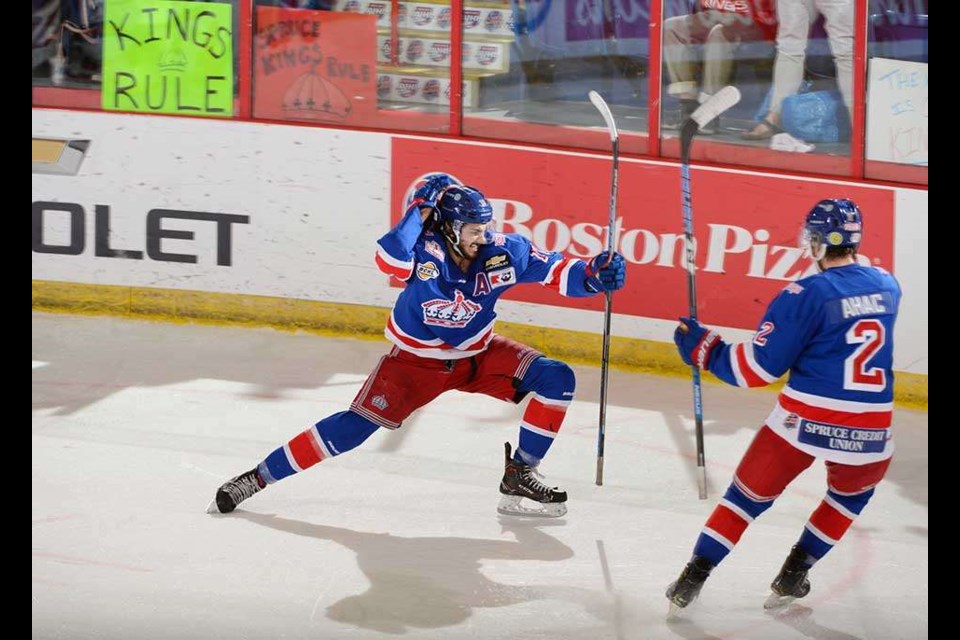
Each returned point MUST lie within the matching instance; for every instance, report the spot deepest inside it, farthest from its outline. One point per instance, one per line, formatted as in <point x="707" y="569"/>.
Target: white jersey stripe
<point x="550" y="401"/>
<point x="737" y="510"/>
<point x="394" y="327"/>
<point x="550" y="272"/>
<point x="735" y="366"/>
<point x="820" y="534"/>
<point x="719" y="538"/>
<point x="846" y="513"/>
<point x="538" y="430"/>
<point x="759" y="371"/>
<point x="834" y="404"/>
<point x="320" y="443"/>
<point x="290" y="458"/>
<point x="478" y="335"/>
<point x="394" y="262"/>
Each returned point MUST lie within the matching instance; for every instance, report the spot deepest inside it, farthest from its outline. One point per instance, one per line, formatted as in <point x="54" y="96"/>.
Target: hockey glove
<point x="605" y="277"/>
<point x="695" y="342"/>
<point x="431" y="190"/>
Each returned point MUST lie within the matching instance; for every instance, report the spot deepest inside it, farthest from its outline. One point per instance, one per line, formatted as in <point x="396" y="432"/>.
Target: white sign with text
<point x="897" y="111"/>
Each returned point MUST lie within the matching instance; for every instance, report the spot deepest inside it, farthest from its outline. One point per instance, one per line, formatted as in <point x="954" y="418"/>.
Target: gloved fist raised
<point x="606" y="273"/>
<point x="695" y="342"/>
<point x="430" y="191"/>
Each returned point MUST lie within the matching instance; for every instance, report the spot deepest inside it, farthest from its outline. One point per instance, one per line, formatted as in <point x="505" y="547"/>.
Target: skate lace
<point x="532" y="478"/>
<point x="242" y="488"/>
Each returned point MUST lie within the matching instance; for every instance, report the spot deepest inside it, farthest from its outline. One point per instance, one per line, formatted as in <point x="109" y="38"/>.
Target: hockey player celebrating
<point x="833" y="331"/>
<point x="455" y="269"/>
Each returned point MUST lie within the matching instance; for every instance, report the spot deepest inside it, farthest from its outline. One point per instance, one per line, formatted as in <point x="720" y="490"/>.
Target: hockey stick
<point x="604" y="110"/>
<point x="713" y="107"/>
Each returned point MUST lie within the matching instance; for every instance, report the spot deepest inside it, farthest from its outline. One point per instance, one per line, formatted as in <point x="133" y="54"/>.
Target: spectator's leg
<point x="717" y="60"/>
<point x="681" y="34"/>
<point x="796" y="17"/>
<point x="838" y="21"/>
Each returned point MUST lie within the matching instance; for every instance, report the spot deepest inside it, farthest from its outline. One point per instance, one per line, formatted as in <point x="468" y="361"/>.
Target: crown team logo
<point x="450" y="313"/>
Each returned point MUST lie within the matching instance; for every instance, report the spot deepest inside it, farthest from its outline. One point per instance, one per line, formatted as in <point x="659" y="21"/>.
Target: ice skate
<point x="686" y="588"/>
<point x="791" y="583"/>
<point x="523" y="494"/>
<point x="235" y="491"/>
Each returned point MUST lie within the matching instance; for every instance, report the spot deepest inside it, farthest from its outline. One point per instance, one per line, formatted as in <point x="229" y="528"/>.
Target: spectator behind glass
<point x="796" y="17"/>
<point x="720" y="26"/>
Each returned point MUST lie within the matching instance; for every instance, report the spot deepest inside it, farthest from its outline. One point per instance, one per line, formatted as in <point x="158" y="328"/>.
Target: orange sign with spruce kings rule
<point x="315" y="65"/>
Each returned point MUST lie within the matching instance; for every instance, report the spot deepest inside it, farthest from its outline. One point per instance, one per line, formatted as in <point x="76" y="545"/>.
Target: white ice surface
<point x="136" y="423"/>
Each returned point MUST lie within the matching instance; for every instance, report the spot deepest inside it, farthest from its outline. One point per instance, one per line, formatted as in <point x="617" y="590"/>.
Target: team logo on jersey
<point x="497" y="261"/>
<point x="427" y="271"/>
<point x="380" y="402"/>
<point x="793" y="288"/>
<point x="433" y="248"/>
<point x="791" y="421"/>
<point x="454" y="313"/>
<point x="503" y="277"/>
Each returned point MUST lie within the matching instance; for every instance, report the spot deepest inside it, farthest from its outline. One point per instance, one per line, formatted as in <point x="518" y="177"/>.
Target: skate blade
<point x="673" y="612"/>
<point x="516" y="506"/>
<point x="212" y="507"/>
<point x="775" y="601"/>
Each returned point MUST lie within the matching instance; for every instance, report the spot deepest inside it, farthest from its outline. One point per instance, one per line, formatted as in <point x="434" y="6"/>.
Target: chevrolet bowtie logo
<point x="58" y="156"/>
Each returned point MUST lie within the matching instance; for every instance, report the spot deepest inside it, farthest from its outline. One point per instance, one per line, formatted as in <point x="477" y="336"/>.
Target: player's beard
<point x="469" y="250"/>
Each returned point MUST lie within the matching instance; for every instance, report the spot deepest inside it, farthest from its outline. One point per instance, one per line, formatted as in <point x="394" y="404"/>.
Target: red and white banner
<point x="746" y="228"/>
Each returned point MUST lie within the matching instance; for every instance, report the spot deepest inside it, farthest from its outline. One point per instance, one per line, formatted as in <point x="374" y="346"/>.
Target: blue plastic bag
<point x="817" y="116"/>
<point x="812" y="116"/>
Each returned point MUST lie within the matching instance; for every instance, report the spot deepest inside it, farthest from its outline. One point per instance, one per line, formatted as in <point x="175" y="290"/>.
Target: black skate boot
<point x="235" y="491"/>
<point x="686" y="588"/>
<point x="521" y="483"/>
<point x="791" y="583"/>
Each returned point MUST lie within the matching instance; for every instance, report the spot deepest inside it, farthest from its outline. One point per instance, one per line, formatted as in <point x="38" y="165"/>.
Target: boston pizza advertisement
<point x="746" y="226"/>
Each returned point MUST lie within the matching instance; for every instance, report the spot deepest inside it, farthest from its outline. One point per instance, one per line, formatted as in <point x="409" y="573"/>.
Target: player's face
<point x="471" y="237"/>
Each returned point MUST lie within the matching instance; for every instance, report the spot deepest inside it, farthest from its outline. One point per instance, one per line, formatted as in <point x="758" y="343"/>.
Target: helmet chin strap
<point x="451" y="232"/>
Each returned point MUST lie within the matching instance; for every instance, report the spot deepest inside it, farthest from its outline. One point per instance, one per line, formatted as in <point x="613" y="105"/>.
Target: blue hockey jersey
<point x="447" y="314"/>
<point x="833" y="332"/>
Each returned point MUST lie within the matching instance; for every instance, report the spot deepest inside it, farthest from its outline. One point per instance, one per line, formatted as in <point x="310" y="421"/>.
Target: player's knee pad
<point x="344" y="431"/>
<point x="549" y="378"/>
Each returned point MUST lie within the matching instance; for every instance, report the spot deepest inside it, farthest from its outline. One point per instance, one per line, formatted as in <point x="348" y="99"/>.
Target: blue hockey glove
<point x="429" y="193"/>
<point x="605" y="278"/>
<point x="695" y="342"/>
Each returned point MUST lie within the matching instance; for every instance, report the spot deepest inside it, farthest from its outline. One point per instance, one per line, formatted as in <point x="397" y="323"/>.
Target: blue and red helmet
<point x="464" y="205"/>
<point x="832" y="223"/>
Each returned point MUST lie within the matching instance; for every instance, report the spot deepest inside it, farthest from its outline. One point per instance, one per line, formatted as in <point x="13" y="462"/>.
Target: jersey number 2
<point x="857" y="375"/>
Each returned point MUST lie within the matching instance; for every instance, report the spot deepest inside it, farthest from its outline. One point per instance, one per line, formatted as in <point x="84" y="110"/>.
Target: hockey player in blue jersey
<point x="833" y="332"/>
<point x="442" y="328"/>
